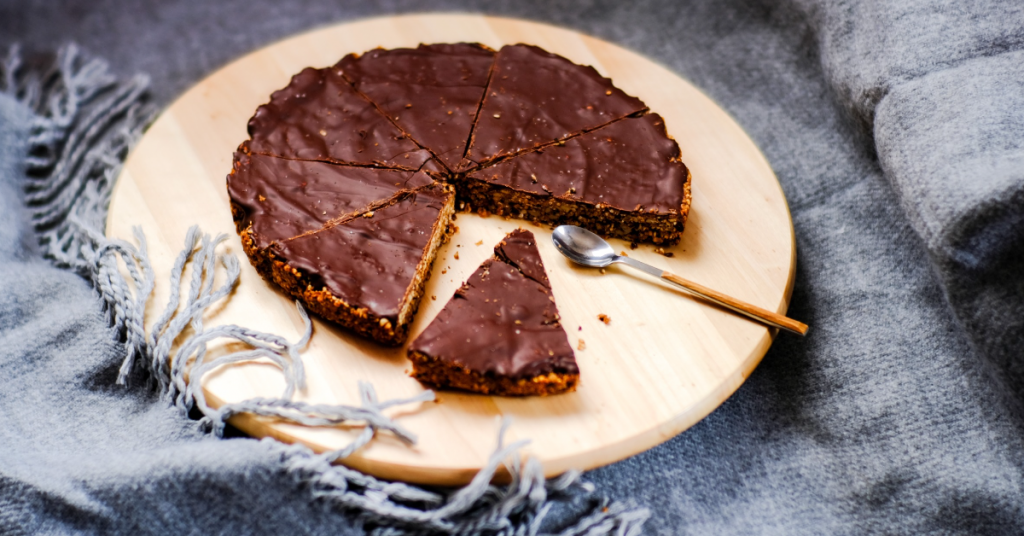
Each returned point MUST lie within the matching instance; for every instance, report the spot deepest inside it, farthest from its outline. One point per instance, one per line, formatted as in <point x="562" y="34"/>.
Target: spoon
<point x="584" y="247"/>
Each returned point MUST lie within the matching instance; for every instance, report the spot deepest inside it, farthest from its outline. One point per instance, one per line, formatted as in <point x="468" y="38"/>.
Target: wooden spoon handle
<point x="752" y="311"/>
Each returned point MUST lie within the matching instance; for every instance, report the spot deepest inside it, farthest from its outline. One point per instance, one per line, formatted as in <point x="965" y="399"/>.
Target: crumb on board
<point x="604" y="318"/>
<point x="623" y="253"/>
<point x="632" y="245"/>
<point x="433" y="297"/>
<point x="479" y="242"/>
<point x="669" y="254"/>
<point x="444" y="271"/>
<point x="582" y="345"/>
<point x="456" y="255"/>
<point x="603" y="271"/>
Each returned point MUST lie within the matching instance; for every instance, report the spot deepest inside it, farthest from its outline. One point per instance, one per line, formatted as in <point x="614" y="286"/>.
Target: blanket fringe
<point x="86" y="121"/>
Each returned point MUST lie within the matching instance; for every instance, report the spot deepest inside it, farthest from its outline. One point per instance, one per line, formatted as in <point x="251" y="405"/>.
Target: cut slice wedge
<point x="500" y="334"/>
<point x="367" y="272"/>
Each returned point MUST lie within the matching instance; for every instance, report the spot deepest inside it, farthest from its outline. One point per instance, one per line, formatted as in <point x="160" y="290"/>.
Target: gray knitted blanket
<point x="896" y="129"/>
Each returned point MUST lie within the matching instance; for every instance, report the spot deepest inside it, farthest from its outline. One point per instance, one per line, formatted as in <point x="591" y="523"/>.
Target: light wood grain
<point x="662" y="364"/>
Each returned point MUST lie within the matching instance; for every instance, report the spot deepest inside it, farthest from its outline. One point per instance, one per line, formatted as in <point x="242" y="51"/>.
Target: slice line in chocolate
<point x="293" y="179"/>
<point x="366" y="211"/>
<point x="476" y="118"/>
<point x="550" y="144"/>
<point x="534" y="98"/>
<point x="352" y="69"/>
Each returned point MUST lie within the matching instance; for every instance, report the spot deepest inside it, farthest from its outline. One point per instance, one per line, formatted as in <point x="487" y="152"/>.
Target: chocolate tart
<point x="500" y="333"/>
<point x="347" y="184"/>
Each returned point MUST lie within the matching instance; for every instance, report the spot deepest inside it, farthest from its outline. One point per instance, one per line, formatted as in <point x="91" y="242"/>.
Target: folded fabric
<point x="940" y="86"/>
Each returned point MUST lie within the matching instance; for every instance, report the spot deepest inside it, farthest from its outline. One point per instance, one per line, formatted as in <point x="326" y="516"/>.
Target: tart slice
<point x="623" y="180"/>
<point x="319" y="116"/>
<point x="431" y="92"/>
<point x="367" y="272"/>
<point x="500" y="334"/>
<point x="535" y="98"/>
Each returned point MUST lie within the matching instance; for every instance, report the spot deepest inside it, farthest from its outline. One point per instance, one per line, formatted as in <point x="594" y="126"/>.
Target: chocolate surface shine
<point x="371" y="261"/>
<point x="627" y="164"/>
<point x="319" y="116"/>
<point x="431" y="92"/>
<point x="285" y="198"/>
<point x="535" y="98"/>
<point x="502" y="321"/>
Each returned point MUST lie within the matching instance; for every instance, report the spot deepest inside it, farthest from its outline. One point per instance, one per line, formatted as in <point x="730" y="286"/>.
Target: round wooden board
<point x="662" y="364"/>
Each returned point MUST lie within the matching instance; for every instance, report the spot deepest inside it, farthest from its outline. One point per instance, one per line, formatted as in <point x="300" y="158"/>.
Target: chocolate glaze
<point x="628" y="164"/>
<point x="283" y="198"/>
<point x="519" y="249"/>
<point x="318" y="116"/>
<point x="371" y="261"/>
<point x="535" y="98"/>
<point x="477" y="328"/>
<point x="431" y="92"/>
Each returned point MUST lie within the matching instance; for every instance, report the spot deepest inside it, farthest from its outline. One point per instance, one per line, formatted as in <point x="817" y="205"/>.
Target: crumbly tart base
<point x="444" y="374"/>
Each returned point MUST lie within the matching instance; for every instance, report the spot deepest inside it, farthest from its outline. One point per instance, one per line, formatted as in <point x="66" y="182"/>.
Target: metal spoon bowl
<point x="583" y="247"/>
<point x="586" y="248"/>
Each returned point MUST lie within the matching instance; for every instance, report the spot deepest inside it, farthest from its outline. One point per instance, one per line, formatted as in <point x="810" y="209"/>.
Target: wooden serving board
<point x="662" y="364"/>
